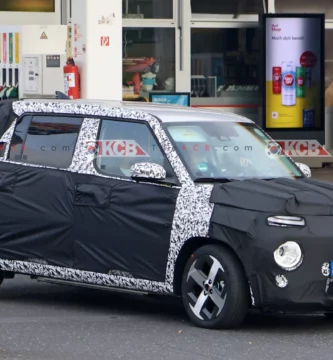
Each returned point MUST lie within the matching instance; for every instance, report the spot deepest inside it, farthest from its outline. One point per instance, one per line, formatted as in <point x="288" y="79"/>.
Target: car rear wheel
<point x="215" y="292"/>
<point x="1" y="277"/>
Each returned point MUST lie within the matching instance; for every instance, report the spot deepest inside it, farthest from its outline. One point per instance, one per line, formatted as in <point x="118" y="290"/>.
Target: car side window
<point x="124" y="143"/>
<point x="45" y="140"/>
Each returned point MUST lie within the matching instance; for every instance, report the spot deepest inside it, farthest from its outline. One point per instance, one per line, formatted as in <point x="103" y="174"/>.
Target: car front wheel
<point x="215" y="292"/>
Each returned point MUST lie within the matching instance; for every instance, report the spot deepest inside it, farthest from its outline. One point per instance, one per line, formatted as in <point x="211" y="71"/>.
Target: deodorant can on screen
<point x="288" y="83"/>
<point x="276" y="76"/>
<point x="300" y="81"/>
<point x="308" y="77"/>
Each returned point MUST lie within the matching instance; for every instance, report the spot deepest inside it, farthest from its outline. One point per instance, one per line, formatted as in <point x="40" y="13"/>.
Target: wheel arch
<point x="188" y="248"/>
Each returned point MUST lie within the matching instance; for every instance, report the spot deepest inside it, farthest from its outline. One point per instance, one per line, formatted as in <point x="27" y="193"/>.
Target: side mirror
<point x="305" y="169"/>
<point x="146" y="170"/>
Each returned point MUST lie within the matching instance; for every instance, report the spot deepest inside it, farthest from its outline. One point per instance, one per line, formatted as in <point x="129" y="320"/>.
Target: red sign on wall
<point x="105" y="41"/>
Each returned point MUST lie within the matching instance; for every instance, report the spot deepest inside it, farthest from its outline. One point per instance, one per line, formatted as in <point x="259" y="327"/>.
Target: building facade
<point x="209" y="48"/>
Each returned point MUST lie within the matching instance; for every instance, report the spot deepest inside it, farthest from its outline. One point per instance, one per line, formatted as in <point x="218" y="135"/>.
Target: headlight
<point x="285" y="221"/>
<point x="288" y="255"/>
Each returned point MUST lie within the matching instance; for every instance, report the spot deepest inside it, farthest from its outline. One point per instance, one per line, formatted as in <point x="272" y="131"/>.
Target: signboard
<point x="303" y="148"/>
<point x="105" y="40"/>
<point x="180" y="99"/>
<point x="28" y="5"/>
<point x="294" y="71"/>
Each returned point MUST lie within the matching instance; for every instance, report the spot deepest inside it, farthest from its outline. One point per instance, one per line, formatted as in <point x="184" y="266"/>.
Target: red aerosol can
<point x="277" y="77"/>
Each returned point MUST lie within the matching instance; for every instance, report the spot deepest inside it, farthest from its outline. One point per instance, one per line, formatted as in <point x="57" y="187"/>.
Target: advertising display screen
<point x="180" y="99"/>
<point x="294" y="71"/>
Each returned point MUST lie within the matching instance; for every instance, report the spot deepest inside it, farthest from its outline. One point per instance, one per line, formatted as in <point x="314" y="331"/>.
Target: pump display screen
<point x="53" y="61"/>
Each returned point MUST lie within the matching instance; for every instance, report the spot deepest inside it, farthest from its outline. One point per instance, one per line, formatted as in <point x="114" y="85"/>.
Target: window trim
<point x="276" y="1"/>
<point x="212" y="17"/>
<point x="135" y="23"/>
<point x="24" y="140"/>
<point x="32" y="115"/>
<point x="173" y="18"/>
<point x="235" y="24"/>
<point x="170" y="182"/>
<point x="231" y="100"/>
<point x="160" y="25"/>
<point x="250" y="18"/>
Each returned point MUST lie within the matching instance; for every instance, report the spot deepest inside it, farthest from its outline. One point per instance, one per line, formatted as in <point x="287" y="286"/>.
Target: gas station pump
<point x="31" y="60"/>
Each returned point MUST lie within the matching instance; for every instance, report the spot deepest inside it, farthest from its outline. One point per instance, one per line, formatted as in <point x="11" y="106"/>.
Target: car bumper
<point x="308" y="288"/>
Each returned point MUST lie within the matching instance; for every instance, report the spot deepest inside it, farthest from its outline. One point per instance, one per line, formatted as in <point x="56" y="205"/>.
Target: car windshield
<point x="229" y="150"/>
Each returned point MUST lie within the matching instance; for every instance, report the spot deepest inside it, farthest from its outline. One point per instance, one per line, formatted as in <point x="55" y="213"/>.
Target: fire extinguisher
<point x="72" y="79"/>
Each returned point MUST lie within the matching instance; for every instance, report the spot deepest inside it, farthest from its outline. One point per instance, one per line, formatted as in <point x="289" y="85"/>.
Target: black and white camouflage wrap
<point x="6" y="138"/>
<point x="193" y="209"/>
<point x="148" y="170"/>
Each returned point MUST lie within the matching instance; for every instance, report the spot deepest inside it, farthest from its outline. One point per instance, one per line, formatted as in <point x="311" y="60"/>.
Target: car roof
<point x="164" y="112"/>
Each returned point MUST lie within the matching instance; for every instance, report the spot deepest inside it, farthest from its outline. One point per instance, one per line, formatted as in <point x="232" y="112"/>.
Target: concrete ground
<point x="325" y="174"/>
<point x="50" y="322"/>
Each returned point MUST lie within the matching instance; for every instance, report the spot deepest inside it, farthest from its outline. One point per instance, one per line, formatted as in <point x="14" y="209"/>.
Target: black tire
<point x="229" y="288"/>
<point x="1" y="277"/>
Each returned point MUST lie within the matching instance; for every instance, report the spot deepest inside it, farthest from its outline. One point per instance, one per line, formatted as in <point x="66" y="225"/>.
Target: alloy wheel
<point x="206" y="288"/>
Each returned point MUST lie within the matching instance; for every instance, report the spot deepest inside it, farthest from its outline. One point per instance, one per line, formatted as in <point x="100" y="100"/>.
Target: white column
<point x="97" y="47"/>
<point x="271" y="6"/>
<point x="183" y="47"/>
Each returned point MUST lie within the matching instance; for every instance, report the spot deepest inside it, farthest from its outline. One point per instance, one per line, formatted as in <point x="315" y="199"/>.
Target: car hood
<point x="279" y="196"/>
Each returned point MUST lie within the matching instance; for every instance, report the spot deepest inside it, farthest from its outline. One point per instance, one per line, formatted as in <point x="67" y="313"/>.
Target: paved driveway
<point x="50" y="322"/>
<point x="325" y="174"/>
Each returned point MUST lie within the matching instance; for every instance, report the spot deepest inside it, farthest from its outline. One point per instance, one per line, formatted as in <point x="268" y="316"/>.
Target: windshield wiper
<point x="212" y="179"/>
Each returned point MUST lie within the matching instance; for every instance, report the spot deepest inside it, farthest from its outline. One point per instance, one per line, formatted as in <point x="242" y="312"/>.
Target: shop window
<point x="227" y="7"/>
<point x="305" y="6"/>
<point x="31" y="5"/>
<point x="148" y="9"/>
<point x="148" y="60"/>
<point x="328" y="67"/>
<point x="45" y="140"/>
<point x="224" y="61"/>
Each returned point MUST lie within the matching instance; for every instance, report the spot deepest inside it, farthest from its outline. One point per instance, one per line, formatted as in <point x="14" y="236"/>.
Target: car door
<point x="36" y="194"/>
<point x="123" y="226"/>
